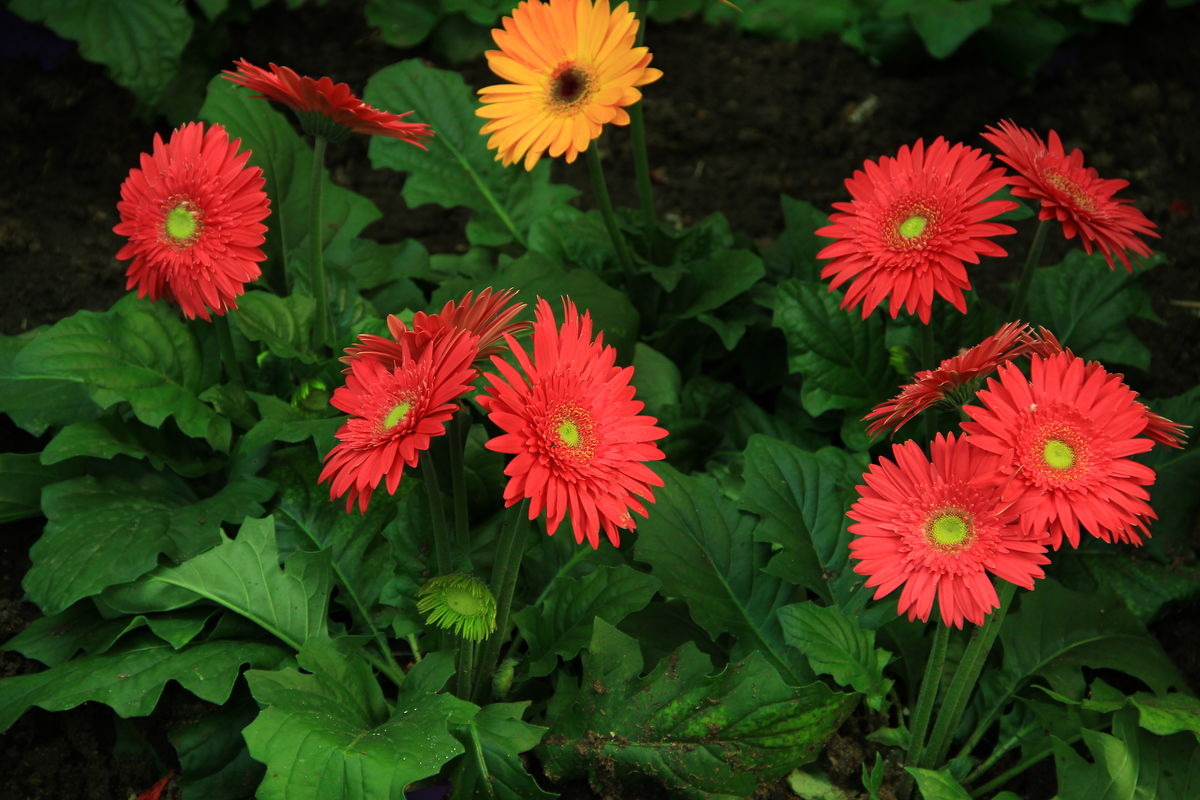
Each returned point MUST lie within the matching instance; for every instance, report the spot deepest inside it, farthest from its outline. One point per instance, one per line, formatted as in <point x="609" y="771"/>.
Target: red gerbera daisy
<point x="193" y="214"/>
<point x="1073" y="194"/>
<point x="484" y="316"/>
<point x="1014" y="339"/>
<point x="395" y="411"/>
<point x="931" y="526"/>
<point x="1165" y="431"/>
<point x="912" y="222"/>
<point x="320" y="102"/>
<point x="574" y="429"/>
<point x="1064" y="437"/>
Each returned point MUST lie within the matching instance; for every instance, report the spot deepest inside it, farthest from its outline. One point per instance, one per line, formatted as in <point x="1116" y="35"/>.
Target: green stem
<point x="964" y="680"/>
<point x="935" y="667"/>
<point x="458" y="480"/>
<point x="317" y="267"/>
<point x="999" y="752"/>
<point x="600" y="190"/>
<point x="233" y="370"/>
<point x="465" y="677"/>
<point x="507" y="566"/>
<point x="1031" y="261"/>
<point x="1021" y="766"/>
<point x="437" y="514"/>
<point x="928" y="418"/>
<point x="580" y="554"/>
<point x="637" y="132"/>
<point x="483" y="189"/>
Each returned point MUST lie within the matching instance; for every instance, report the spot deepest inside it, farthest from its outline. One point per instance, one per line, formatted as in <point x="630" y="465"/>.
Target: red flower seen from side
<point x="320" y="101"/>
<point x="911" y="223"/>
<point x="931" y="528"/>
<point x="193" y="215"/>
<point x="1064" y="437"/>
<point x="394" y="412"/>
<point x="1075" y="195"/>
<point x="578" y="440"/>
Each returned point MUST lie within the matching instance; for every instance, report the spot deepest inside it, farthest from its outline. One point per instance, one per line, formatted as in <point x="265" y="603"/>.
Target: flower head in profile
<point x="1064" y="437"/>
<point x="910" y="224"/>
<point x="960" y="372"/>
<point x="569" y="419"/>
<point x="394" y="412"/>
<point x="487" y="316"/>
<point x="571" y="68"/>
<point x="325" y="108"/>
<point x="193" y="215"/>
<point x="1075" y="195"/>
<point x="458" y="603"/>
<point x="930" y="526"/>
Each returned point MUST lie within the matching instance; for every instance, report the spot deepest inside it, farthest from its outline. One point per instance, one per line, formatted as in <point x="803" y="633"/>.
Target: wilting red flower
<point x="193" y="214"/>
<point x="912" y="222"/>
<point x="483" y="316"/>
<point x="1014" y="339"/>
<point x="394" y="412"/>
<point x="1064" y="437"/>
<point x="574" y="429"/>
<point x="932" y="526"/>
<point x="319" y="101"/>
<point x="1073" y="194"/>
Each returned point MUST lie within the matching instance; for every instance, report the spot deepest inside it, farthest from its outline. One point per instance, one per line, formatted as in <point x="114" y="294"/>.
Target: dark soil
<point x="734" y="123"/>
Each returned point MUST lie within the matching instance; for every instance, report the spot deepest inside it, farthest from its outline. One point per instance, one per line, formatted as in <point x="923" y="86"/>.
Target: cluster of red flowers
<point x="567" y="413"/>
<point x="1040" y="459"/>
<point x="913" y="220"/>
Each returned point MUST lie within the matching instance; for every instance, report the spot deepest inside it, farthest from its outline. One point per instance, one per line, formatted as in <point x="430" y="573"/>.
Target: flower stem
<point x="637" y="132"/>
<point x="317" y="267"/>
<point x="1031" y="261"/>
<point x="600" y="190"/>
<point x="233" y="370"/>
<point x="935" y="667"/>
<point x="458" y="480"/>
<point x="1024" y="764"/>
<point x="505" y="569"/>
<point x="964" y="680"/>
<point x="437" y="514"/>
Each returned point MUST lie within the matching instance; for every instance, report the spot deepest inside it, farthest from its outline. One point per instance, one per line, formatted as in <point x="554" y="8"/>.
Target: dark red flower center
<point x="570" y="86"/>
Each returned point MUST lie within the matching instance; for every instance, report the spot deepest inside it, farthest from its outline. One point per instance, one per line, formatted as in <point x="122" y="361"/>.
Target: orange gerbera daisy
<point x="932" y="526"/>
<point x="963" y="371"/>
<point x="571" y="67"/>
<point x="578" y="440"/>
<point x="1075" y="195"/>
<point x="911" y="223"/>
<point x="1064" y="436"/>
<point x="193" y="214"/>
<point x="325" y="108"/>
<point x="483" y="316"/>
<point x="394" y="411"/>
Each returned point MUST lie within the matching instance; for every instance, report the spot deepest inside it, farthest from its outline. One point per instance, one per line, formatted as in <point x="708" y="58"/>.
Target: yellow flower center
<point x="568" y="433"/>
<point x="396" y="415"/>
<point x="182" y="224"/>
<point x="1070" y="187"/>
<point x="949" y="530"/>
<point x="571" y="434"/>
<point x="571" y="85"/>
<point x="1058" y="454"/>
<point x="913" y="226"/>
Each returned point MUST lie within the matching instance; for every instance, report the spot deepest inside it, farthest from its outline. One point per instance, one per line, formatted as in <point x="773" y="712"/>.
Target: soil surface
<point x="734" y="123"/>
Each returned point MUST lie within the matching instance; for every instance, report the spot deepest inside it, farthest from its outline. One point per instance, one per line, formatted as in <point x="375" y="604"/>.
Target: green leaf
<point x="113" y="436"/>
<point x="138" y="352"/>
<point x="699" y="545"/>
<point x="844" y="359"/>
<point x="326" y="733"/>
<point x="283" y="324"/>
<point x="1144" y="586"/>
<point x="140" y="41"/>
<point x="1088" y="307"/>
<point x="713" y="281"/>
<point x="22" y="479"/>
<point x="281" y="422"/>
<point x="104" y="532"/>
<point x="698" y="735"/>
<point x="943" y="25"/>
<point x="1171" y="713"/>
<point x="835" y="644"/>
<point x="131" y="678"/>
<point x="457" y="169"/>
<point x="213" y="761"/>
<point x="34" y="399"/>
<point x="658" y="380"/>
<point x="938" y="784"/>
<point x="402" y="23"/>
<point x="244" y="575"/>
<point x="1177" y="473"/>
<point x="794" y="253"/>
<point x="562" y="625"/>
<point x="502" y="736"/>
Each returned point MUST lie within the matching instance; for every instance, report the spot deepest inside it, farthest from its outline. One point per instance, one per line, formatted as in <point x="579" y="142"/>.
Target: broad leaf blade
<point x="836" y="645"/>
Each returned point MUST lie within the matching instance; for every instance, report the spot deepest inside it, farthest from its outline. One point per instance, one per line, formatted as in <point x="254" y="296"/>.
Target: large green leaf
<point x="131" y="678"/>
<point x="457" y="169"/>
<point x="138" y="352"/>
<point x="213" y="761"/>
<point x="327" y="733"/>
<point x="562" y="624"/>
<point x="498" y="736"/>
<point x="34" y="399"/>
<point x="22" y="479"/>
<point x="938" y="784"/>
<point x="794" y="253"/>
<point x="281" y="323"/>
<point x="109" y="531"/>
<point x="699" y="735"/>
<point x="114" y="436"/>
<point x="835" y="644"/>
<point x="699" y="544"/>
<point x="844" y="359"/>
<point x="1177" y="473"/>
<point x="140" y="41"/>
<point x="244" y="575"/>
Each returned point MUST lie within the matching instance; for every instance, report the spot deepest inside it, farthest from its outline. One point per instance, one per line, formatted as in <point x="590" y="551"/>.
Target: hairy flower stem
<point x="935" y="667"/>
<point x="1031" y="261"/>
<point x="233" y="370"/>
<point x="637" y="132"/>
<point x="959" y="691"/>
<point x="437" y="514"/>
<point x="459" y="428"/>
<point x="317" y="267"/>
<point x="600" y="190"/>
<point x="509" y="550"/>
